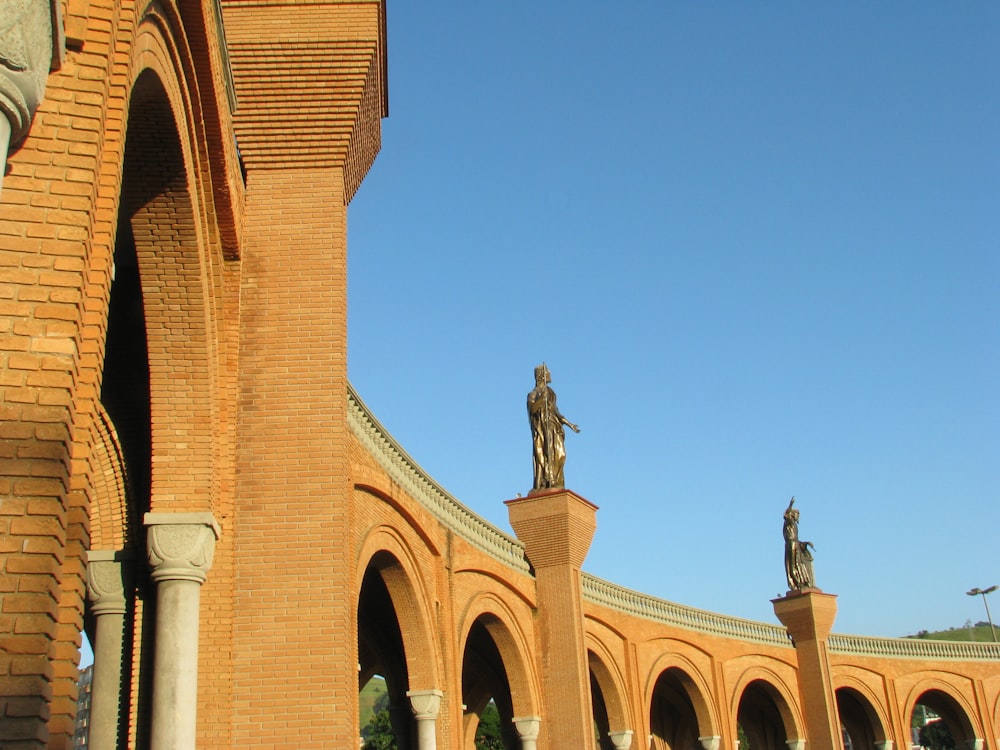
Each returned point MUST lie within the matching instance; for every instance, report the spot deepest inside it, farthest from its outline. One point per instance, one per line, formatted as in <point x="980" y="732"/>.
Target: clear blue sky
<point x="757" y="245"/>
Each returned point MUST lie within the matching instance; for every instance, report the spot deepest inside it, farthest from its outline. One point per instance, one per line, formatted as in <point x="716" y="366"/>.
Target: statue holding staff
<point x="547" y="434"/>
<point x="798" y="557"/>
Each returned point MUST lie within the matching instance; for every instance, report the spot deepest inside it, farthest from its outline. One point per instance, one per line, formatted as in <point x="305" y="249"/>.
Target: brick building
<point x="187" y="473"/>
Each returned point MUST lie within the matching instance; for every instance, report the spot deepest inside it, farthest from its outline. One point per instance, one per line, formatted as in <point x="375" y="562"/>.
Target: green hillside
<point x="979" y="632"/>
<point x="370" y="694"/>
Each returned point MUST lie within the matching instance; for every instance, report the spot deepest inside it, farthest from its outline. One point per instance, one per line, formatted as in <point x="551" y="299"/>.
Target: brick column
<point x="556" y="528"/>
<point x="808" y="614"/>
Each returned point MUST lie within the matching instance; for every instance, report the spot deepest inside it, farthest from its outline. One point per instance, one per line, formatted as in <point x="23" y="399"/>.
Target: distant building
<point x="83" y="708"/>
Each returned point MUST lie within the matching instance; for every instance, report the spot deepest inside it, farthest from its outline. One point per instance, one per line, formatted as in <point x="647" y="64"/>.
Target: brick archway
<point x="385" y="550"/>
<point x="608" y="693"/>
<point x="512" y="646"/>
<point x="948" y="703"/>
<point x="861" y="714"/>
<point x="765" y="708"/>
<point x="686" y="677"/>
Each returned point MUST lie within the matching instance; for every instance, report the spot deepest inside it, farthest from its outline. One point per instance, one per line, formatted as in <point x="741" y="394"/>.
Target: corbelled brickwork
<point x="185" y="471"/>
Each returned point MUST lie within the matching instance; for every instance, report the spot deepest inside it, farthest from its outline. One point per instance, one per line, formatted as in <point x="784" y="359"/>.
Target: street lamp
<point x="984" y="592"/>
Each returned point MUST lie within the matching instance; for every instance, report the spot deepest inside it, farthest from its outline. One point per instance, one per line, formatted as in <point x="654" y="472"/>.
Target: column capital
<point x="527" y="727"/>
<point x="180" y="546"/>
<point x="621" y="740"/>
<point x="796" y="744"/>
<point x="425" y="703"/>
<point x="710" y="742"/>
<point x="107" y="571"/>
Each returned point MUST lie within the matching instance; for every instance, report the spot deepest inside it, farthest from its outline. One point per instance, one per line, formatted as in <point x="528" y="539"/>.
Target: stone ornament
<point x="527" y="727"/>
<point x="106" y="585"/>
<point x="621" y="740"/>
<point x="25" y="60"/>
<point x="425" y="703"/>
<point x="180" y="546"/>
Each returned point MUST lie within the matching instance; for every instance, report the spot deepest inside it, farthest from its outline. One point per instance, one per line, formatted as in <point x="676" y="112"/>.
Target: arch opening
<point x="485" y="690"/>
<point x="760" y="725"/>
<point x="673" y="721"/>
<point x="938" y="722"/>
<point x="859" y="723"/>
<point x="382" y="658"/>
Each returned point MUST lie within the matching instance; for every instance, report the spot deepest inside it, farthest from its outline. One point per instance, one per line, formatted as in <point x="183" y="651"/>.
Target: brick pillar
<point x="808" y="614"/>
<point x="295" y="634"/>
<point x="556" y="528"/>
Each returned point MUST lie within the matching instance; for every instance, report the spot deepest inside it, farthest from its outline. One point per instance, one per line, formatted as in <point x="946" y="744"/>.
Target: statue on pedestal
<point x="798" y="557"/>
<point x="547" y="434"/>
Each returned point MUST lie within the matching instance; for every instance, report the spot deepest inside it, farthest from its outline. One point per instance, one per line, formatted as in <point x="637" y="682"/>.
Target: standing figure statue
<point x="798" y="558"/>
<point x="547" y="434"/>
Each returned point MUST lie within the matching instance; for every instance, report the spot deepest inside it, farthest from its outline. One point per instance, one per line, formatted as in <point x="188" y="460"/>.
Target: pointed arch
<point x="765" y="705"/>
<point x="385" y="550"/>
<point x="950" y="704"/>
<point x="605" y="672"/>
<point x="861" y="713"/>
<point x="511" y="643"/>
<point x="695" y="685"/>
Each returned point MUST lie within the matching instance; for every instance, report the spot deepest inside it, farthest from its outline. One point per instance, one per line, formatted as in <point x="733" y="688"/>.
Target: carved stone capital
<point x="796" y="744"/>
<point x="25" y="59"/>
<point x="621" y="740"/>
<point x="527" y="727"/>
<point x="179" y="546"/>
<point x="710" y="742"/>
<point x="425" y="703"/>
<point x="883" y="745"/>
<point x="107" y="575"/>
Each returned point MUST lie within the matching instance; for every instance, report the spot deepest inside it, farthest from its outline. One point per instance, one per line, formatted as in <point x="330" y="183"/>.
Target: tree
<point x="377" y="733"/>
<point x="935" y="735"/>
<point x="488" y="732"/>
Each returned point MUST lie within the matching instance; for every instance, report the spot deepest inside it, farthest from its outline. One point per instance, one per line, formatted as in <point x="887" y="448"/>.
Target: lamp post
<point x="983" y="593"/>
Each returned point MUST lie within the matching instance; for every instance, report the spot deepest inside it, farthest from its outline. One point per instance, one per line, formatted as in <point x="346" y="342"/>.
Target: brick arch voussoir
<point x="170" y="220"/>
<point x="780" y="692"/>
<point x="874" y="705"/>
<point x="696" y="685"/>
<point x="113" y="517"/>
<point x="963" y="721"/>
<point x="608" y="674"/>
<point x="410" y="599"/>
<point x="512" y="643"/>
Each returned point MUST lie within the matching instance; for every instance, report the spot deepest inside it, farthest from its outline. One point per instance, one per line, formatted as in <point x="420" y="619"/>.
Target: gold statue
<point x="547" y="434"/>
<point x="798" y="558"/>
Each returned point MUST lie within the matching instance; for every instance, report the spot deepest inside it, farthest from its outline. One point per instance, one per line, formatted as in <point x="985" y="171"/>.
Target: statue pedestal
<point x="556" y="528"/>
<point x="808" y="614"/>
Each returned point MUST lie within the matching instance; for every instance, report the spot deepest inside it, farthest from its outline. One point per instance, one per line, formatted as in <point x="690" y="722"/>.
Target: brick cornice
<point x="301" y="85"/>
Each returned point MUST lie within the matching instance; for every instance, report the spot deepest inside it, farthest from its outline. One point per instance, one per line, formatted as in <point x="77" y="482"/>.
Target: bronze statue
<point x="798" y="558"/>
<point x="547" y="434"/>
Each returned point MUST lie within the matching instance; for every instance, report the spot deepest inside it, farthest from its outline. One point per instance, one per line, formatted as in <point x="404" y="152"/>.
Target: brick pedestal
<point x="556" y="528"/>
<point x="808" y="614"/>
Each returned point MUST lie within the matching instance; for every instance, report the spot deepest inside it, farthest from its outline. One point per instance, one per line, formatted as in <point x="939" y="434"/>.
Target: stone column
<point x="180" y="548"/>
<point x="107" y="589"/>
<point x="556" y="528"/>
<point x="808" y="614"/>
<point x="527" y="728"/>
<point x="425" y="705"/>
<point x="25" y="59"/>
